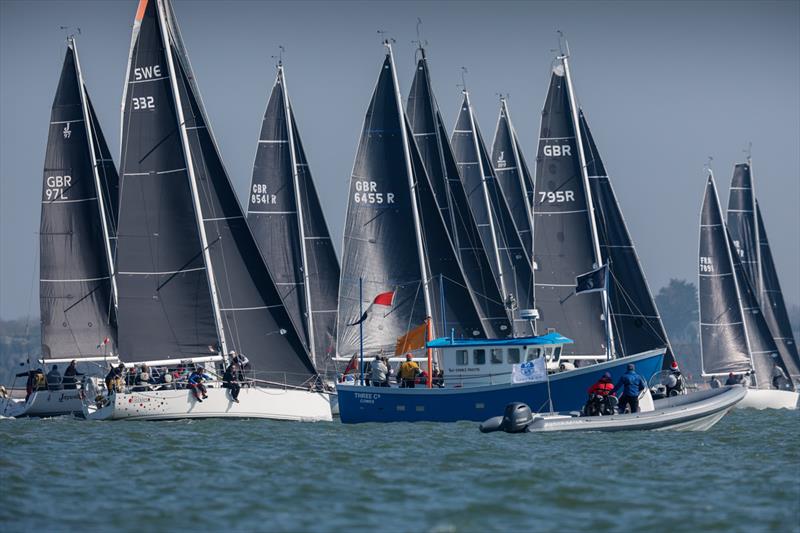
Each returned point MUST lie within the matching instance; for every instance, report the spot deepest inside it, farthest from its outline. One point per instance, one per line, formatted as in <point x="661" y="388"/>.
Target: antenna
<point x="67" y="35"/>
<point x="707" y="166"/>
<point x="563" y="44"/>
<point x="420" y="42"/>
<point x="748" y="150"/>
<point x="384" y="40"/>
<point x="463" y="79"/>
<point x="281" y="50"/>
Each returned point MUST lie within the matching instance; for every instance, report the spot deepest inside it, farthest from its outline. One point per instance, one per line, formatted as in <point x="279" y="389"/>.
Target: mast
<point x="759" y="281"/>
<point x="100" y="201"/>
<point x="487" y="201"/>
<point x="299" y="213"/>
<point x="589" y="202"/>
<point x="413" y="186"/>
<point x="192" y="178"/>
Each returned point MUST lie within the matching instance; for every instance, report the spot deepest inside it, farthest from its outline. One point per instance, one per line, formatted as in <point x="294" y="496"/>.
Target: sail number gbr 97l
<point x="141" y="74"/>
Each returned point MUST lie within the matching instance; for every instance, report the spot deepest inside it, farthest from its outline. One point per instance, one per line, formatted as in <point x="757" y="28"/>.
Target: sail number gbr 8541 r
<point x="151" y="72"/>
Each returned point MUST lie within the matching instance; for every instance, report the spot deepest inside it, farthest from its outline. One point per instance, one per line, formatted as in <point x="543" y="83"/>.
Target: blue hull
<point x="567" y="389"/>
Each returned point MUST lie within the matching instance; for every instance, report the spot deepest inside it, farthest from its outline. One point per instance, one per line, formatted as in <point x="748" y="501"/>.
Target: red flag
<point x="352" y="365"/>
<point x="384" y="298"/>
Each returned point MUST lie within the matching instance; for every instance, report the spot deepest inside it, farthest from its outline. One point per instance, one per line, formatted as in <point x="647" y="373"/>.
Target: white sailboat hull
<point x="46" y="403"/>
<point x="769" y="399"/>
<point x="254" y="402"/>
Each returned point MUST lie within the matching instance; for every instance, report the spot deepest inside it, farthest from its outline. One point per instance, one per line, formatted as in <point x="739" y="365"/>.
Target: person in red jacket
<point x="599" y="394"/>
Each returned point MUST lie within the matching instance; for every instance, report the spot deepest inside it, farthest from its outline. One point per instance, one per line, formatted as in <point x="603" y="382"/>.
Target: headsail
<point x="773" y="305"/>
<point x="512" y="175"/>
<point x="500" y="238"/>
<point x="284" y="215"/>
<point x="437" y="156"/>
<point x="75" y="288"/>
<point x="256" y="322"/>
<point x="724" y="344"/>
<point x="635" y="318"/>
<point x="563" y="241"/>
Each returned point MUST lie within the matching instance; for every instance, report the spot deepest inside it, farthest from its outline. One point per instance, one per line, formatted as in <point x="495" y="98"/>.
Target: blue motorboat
<point x="478" y="382"/>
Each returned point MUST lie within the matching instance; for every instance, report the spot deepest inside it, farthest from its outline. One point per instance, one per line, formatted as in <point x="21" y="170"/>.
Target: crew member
<point x="598" y="394"/>
<point x="378" y="372"/>
<point x="778" y="374"/>
<point x="675" y="388"/>
<point x="196" y="383"/>
<point x="733" y="379"/>
<point x="71" y="375"/>
<point x="631" y="384"/>
<point x="230" y="380"/>
<point x="54" y="378"/>
<point x="408" y="372"/>
<point x="114" y="377"/>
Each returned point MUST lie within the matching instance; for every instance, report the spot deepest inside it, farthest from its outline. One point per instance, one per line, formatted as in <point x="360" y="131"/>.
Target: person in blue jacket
<point x="631" y="384"/>
<point x="196" y="383"/>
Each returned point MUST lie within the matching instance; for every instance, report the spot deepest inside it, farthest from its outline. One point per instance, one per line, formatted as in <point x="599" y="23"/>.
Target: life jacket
<point x="39" y="381"/>
<point x="409" y="370"/>
<point x="604" y="387"/>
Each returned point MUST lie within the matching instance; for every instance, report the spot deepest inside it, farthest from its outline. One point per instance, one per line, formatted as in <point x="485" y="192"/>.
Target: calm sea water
<point x="742" y="475"/>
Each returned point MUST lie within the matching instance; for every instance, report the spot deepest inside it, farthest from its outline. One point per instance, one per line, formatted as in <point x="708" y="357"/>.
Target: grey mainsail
<point x="380" y="248"/>
<point x="165" y="308"/>
<point x="437" y="156"/>
<point x="512" y="175"/>
<point x="500" y="238"/>
<point x="724" y="346"/>
<point x="741" y="222"/>
<point x="195" y="283"/>
<point x="634" y="316"/>
<point x="285" y="215"/>
<point x="772" y="303"/>
<point x="563" y="241"/>
<point x="78" y="319"/>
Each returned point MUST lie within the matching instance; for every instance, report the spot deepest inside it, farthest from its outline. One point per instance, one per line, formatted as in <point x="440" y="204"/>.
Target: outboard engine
<point x="515" y="419"/>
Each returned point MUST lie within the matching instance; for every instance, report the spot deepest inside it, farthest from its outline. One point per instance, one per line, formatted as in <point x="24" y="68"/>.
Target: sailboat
<point x="513" y="175"/>
<point x="285" y="216"/>
<point x="399" y="265"/>
<point x="437" y="156"/>
<point x="578" y="227"/>
<point x="479" y="372"/>
<point x="750" y="240"/>
<point x="191" y="280"/>
<point x="734" y="336"/>
<point x="76" y="293"/>
<point x="500" y="237"/>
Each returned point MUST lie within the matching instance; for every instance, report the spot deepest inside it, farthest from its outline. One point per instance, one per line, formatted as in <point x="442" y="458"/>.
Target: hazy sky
<point x="664" y="85"/>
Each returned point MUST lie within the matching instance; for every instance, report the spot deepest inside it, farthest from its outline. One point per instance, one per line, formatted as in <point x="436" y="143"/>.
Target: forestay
<point x="75" y="287"/>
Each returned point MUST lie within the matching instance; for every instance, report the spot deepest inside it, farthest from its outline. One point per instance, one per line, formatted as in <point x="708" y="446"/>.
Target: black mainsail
<point x="236" y="303"/>
<point x="510" y="260"/>
<point x="563" y="240"/>
<point x="741" y="220"/>
<point x="440" y="165"/>
<point x="76" y="295"/>
<point x="773" y="305"/>
<point x="634" y="316"/>
<point x="286" y="219"/>
<point x="513" y="175"/>
<point x="724" y="346"/>
<point x="389" y="188"/>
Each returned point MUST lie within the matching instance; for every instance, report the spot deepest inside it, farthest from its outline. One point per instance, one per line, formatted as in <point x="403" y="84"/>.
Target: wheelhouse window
<point x="479" y="357"/>
<point x="533" y="353"/>
<point x="556" y="353"/>
<point x="513" y="356"/>
<point x="497" y="356"/>
<point x="462" y="359"/>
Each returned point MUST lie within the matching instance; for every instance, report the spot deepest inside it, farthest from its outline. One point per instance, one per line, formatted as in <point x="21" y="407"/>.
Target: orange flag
<point x="413" y="340"/>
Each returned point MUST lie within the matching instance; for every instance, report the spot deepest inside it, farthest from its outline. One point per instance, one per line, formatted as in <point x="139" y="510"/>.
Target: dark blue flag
<point x="592" y="281"/>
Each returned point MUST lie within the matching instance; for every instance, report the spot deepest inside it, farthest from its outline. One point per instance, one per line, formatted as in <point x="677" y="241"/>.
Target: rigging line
<point x="661" y="335"/>
<point x="190" y="261"/>
<point x="34" y="276"/>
